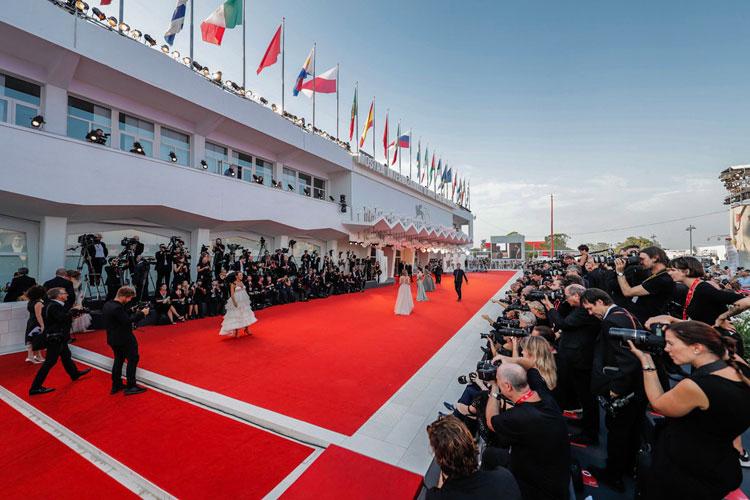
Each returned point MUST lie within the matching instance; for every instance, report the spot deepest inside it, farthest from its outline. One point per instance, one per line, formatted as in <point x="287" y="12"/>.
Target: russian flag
<point x="404" y="140"/>
<point x="322" y="84"/>
<point x="306" y="71"/>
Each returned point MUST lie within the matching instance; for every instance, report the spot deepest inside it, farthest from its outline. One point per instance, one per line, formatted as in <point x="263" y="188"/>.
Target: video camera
<point x="630" y="259"/>
<point x="126" y="242"/>
<point x="86" y="239"/>
<point x="652" y="342"/>
<point x="139" y="306"/>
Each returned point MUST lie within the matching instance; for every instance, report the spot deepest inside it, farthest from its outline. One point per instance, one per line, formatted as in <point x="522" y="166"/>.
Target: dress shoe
<point x="116" y="389"/>
<point x="81" y="373"/>
<point x="40" y="390"/>
<point x="608" y="479"/>
<point x="130" y="391"/>
<point x="449" y="406"/>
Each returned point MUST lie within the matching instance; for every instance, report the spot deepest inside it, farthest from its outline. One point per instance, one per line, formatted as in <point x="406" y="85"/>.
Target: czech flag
<point x="228" y="15"/>
<point x="322" y="84"/>
<point x="307" y="70"/>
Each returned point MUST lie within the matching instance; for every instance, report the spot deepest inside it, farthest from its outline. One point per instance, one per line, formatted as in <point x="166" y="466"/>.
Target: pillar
<point x="55" y="109"/>
<point x="198" y="238"/>
<point x="333" y="245"/>
<point x="280" y="242"/>
<point x="52" y="233"/>
<point x="383" y="261"/>
<point x="199" y="149"/>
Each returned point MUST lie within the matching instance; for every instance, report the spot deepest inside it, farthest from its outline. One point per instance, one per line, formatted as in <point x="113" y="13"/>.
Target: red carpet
<point x="331" y="362"/>
<point x="340" y="473"/>
<point x="36" y="465"/>
<point x="187" y="451"/>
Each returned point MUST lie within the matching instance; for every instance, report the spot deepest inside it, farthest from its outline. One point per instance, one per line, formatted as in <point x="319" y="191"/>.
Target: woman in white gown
<point x="81" y="322"/>
<point x="404" y="302"/>
<point x="239" y="315"/>
<point x="421" y="295"/>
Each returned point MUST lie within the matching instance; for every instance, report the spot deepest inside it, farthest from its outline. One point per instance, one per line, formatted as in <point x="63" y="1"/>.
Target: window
<point x="244" y="164"/>
<point x="177" y="143"/>
<point x="216" y="157"/>
<point x="19" y="100"/>
<point x="289" y="179"/>
<point x="264" y="169"/>
<point x="13" y="253"/>
<point x="319" y="189"/>
<point x="134" y="130"/>
<point x="304" y="184"/>
<point x="83" y="117"/>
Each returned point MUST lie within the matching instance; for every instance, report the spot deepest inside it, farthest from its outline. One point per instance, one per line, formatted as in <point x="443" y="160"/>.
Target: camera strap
<point x="689" y="298"/>
<point x="709" y="368"/>
<point x="526" y="396"/>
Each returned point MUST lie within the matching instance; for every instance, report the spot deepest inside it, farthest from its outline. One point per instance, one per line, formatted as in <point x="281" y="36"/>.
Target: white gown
<point x="237" y="318"/>
<point x="404" y="301"/>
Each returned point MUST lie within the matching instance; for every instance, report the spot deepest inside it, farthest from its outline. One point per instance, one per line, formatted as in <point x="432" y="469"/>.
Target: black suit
<point x="458" y="280"/>
<point x="18" y="287"/>
<point x="625" y="377"/>
<point x="95" y="264"/>
<point x="120" y="338"/>
<point x="163" y="268"/>
<point x="438" y="274"/>
<point x="57" y="323"/>
<point x="578" y="333"/>
<point x="140" y="279"/>
<point x="60" y="282"/>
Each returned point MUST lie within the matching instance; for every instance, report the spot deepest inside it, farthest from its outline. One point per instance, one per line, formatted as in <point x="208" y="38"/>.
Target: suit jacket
<point x="459" y="276"/>
<point x="578" y="332"/>
<point x="119" y="324"/>
<point x="57" y="320"/>
<point x="609" y="352"/>
<point x="60" y="282"/>
<point x="18" y="287"/>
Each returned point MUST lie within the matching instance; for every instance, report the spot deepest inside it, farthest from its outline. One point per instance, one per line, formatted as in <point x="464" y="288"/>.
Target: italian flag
<point x="228" y="15"/>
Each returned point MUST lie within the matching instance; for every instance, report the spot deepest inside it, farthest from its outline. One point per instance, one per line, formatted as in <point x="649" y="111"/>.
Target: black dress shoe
<point x="81" y="373"/>
<point x="449" y="406"/>
<point x="116" y="389"/>
<point x="608" y="479"/>
<point x="40" y="390"/>
<point x="130" y="391"/>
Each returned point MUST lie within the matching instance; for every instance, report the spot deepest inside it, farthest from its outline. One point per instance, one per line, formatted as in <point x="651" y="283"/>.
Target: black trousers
<point x="458" y="290"/>
<point x="438" y="277"/>
<point x="121" y="353"/>
<point x="576" y="382"/>
<point x="162" y="276"/>
<point x="55" y="350"/>
<point x="624" y="436"/>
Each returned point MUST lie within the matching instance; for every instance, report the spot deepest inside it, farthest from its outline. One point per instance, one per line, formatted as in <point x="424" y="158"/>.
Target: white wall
<point x="13" y="317"/>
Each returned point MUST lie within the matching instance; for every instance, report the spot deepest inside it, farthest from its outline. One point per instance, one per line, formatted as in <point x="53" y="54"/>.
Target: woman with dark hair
<point x="654" y="294"/>
<point x="457" y="456"/>
<point x="695" y="456"/>
<point x="35" y="324"/>
<point x="239" y="315"/>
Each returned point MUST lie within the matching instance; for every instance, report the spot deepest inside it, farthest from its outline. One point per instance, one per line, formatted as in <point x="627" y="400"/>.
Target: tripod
<point x="85" y="258"/>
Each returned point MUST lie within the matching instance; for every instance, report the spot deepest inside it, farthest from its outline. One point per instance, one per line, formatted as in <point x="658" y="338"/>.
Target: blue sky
<point x="627" y="111"/>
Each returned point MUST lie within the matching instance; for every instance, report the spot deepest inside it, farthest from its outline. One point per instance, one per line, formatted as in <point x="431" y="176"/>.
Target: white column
<point x="280" y="242"/>
<point x="383" y="261"/>
<point x="198" y="237"/>
<point x="333" y="245"/>
<point x="52" y="232"/>
<point x="199" y="149"/>
<point x="55" y="109"/>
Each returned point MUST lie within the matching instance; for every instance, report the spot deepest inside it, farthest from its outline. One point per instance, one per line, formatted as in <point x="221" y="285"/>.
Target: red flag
<point x="272" y="52"/>
<point x="106" y="2"/>
<point x="385" y="139"/>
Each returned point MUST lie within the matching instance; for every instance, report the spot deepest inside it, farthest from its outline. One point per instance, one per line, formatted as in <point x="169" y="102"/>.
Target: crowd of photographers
<point x="644" y="340"/>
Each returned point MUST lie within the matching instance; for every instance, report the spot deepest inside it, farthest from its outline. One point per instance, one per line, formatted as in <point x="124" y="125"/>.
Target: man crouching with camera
<point x="118" y="321"/>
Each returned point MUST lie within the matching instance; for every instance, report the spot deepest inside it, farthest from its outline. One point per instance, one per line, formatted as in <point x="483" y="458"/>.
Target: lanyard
<point x="525" y="397"/>
<point x="689" y="298"/>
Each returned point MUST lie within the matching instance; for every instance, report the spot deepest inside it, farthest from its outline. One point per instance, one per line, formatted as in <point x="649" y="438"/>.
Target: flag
<point x="368" y="124"/>
<point x="354" y="115"/>
<point x="306" y="71"/>
<point x="439" y="172"/>
<point x="227" y="15"/>
<point x="322" y="84"/>
<point x="178" y="19"/>
<point x="272" y="52"/>
<point x="395" y="149"/>
<point x="432" y="170"/>
<point x="385" y="139"/>
<point x="106" y="2"/>
<point x="426" y="164"/>
<point x="419" y="165"/>
<point x="453" y="192"/>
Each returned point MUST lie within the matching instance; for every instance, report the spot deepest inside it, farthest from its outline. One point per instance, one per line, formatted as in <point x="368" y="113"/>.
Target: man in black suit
<point x="438" y="272"/>
<point x="61" y="281"/>
<point x="616" y="375"/>
<point x="458" y="280"/>
<point x="578" y="333"/>
<point x="163" y="266"/>
<point x="18" y="285"/>
<point x="95" y="254"/>
<point x="57" y="321"/>
<point x="119" y="325"/>
<point x="140" y="277"/>
<point x="114" y="277"/>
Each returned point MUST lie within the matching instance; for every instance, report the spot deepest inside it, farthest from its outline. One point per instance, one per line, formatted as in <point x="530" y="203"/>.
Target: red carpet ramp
<point x="331" y="362"/>
<point x="187" y="451"/>
<point x="340" y="473"/>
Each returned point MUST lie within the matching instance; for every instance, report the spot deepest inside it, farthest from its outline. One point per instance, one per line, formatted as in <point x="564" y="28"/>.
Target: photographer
<point x="140" y="277"/>
<point x="534" y="430"/>
<point x="57" y="321"/>
<point x="694" y="456"/>
<point x="457" y="456"/>
<point x="616" y="378"/>
<point x="578" y="332"/>
<point x="163" y="266"/>
<point x="114" y="277"/>
<point x="653" y="295"/>
<point x="96" y="252"/>
<point x="119" y="325"/>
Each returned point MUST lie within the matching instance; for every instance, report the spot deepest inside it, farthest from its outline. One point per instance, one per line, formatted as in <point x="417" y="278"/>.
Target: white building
<point x="55" y="185"/>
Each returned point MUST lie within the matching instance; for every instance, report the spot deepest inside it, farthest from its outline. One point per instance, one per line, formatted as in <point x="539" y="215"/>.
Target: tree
<point x="513" y="233"/>
<point x="640" y="241"/>
<point x="598" y="247"/>
<point x="561" y="241"/>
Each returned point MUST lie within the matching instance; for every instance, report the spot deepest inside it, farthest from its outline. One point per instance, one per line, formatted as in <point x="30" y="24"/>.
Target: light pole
<point x="690" y="229"/>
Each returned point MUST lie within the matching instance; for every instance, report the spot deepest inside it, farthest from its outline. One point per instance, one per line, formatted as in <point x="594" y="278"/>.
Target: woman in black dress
<point x="35" y="325"/>
<point x="694" y="456"/>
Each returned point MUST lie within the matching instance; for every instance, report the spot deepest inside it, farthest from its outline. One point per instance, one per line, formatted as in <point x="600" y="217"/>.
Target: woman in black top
<point x="694" y="456"/>
<point x="35" y="325"/>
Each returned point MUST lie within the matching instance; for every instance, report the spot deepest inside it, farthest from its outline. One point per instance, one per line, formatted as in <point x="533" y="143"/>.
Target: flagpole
<point x="356" y="115"/>
<point x="244" y="45"/>
<point x="337" y="101"/>
<point x="192" y="29"/>
<point x="315" y="56"/>
<point x="373" y="127"/>
<point x="398" y="146"/>
<point x="122" y="11"/>
<point x="410" y="135"/>
<point x="283" y="53"/>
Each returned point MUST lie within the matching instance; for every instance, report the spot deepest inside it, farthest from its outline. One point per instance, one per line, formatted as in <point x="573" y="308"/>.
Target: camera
<point x="86" y="239"/>
<point x="517" y="307"/>
<point x="233" y="247"/>
<point x="126" y="242"/>
<point x="510" y="332"/>
<point x="652" y="342"/>
<point x="139" y="306"/>
<point x="613" y="405"/>
<point x="550" y="294"/>
<point x="486" y="371"/>
<point x="506" y="323"/>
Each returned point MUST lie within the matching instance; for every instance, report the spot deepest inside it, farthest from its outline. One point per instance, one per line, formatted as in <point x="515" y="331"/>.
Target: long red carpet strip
<point x="34" y="464"/>
<point x="188" y="451"/>
<point x="340" y="473"/>
<point x="331" y="362"/>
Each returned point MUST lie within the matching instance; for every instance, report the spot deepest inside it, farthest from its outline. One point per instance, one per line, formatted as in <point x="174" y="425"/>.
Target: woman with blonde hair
<point x="537" y="353"/>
